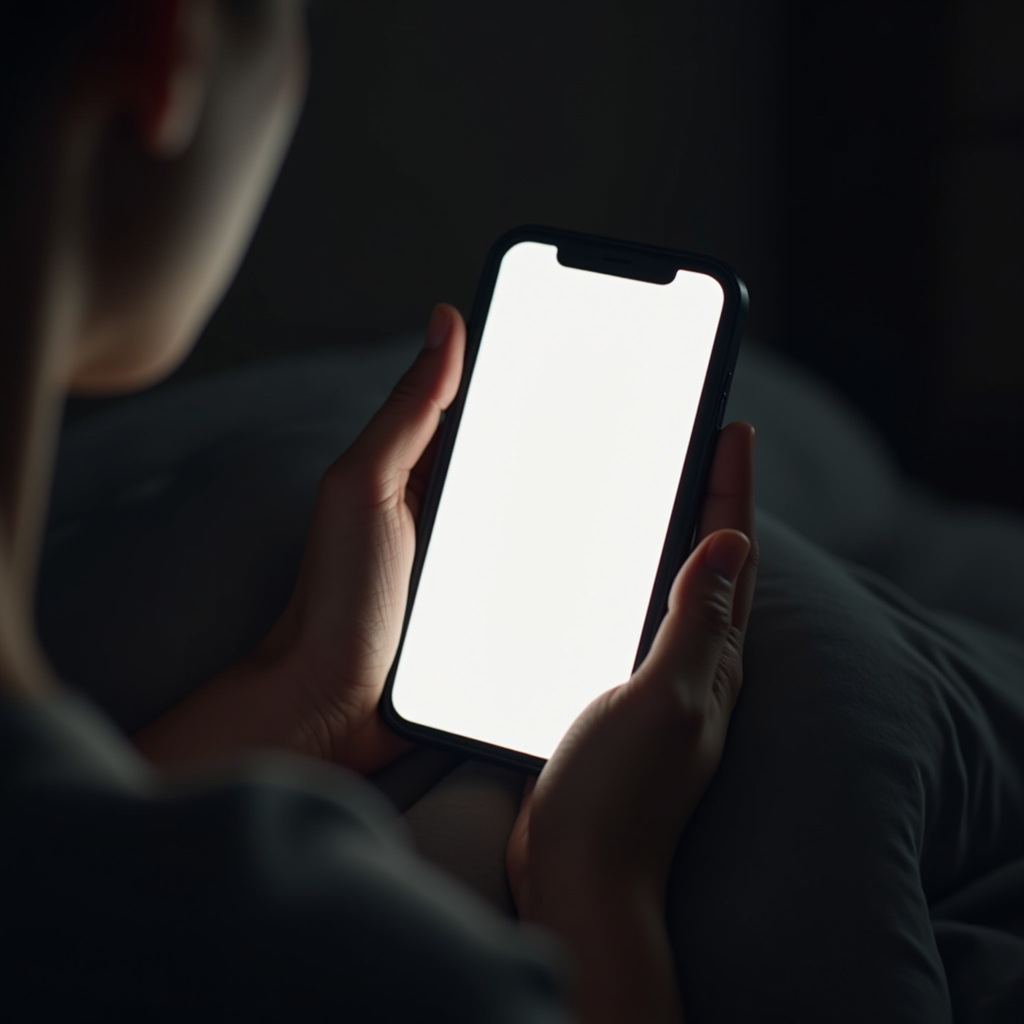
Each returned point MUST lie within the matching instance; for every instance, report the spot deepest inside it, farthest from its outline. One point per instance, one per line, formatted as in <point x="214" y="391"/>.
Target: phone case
<point x="625" y="259"/>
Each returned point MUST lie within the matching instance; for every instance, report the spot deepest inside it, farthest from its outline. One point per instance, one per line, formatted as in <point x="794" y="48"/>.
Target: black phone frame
<point x="625" y="259"/>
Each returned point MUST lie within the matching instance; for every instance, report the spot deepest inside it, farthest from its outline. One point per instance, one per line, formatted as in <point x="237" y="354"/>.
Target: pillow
<point x="824" y="470"/>
<point x="178" y="520"/>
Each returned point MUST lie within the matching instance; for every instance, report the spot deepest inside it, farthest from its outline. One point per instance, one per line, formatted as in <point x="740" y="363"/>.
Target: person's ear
<point x="173" y="43"/>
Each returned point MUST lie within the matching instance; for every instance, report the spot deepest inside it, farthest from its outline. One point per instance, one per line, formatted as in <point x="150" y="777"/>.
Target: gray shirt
<point x="277" y="890"/>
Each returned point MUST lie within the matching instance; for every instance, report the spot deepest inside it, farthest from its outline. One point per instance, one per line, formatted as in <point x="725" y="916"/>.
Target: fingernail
<point x="726" y="554"/>
<point x="438" y="328"/>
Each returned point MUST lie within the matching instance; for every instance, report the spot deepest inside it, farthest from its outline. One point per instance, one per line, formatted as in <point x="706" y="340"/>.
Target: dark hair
<point x="37" y="35"/>
<point x="38" y="39"/>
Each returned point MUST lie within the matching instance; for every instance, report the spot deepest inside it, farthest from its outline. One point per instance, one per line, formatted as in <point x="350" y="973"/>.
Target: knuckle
<point x="713" y="614"/>
<point x="406" y="390"/>
<point x="689" y="715"/>
<point x="728" y="680"/>
<point x="412" y="392"/>
<point x="754" y="556"/>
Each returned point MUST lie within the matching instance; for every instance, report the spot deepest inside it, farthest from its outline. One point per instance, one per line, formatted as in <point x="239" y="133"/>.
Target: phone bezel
<point x="643" y="260"/>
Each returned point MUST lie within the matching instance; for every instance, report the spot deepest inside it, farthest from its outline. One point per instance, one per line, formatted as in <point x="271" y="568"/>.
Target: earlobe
<point x="179" y="63"/>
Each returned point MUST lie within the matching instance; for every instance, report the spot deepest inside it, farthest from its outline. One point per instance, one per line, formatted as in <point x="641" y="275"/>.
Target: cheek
<point x="171" y="235"/>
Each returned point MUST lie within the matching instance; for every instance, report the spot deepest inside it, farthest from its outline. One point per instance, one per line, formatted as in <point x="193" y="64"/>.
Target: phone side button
<point x="721" y="409"/>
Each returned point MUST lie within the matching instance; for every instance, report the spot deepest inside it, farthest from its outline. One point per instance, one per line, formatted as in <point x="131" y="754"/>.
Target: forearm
<point x="625" y="971"/>
<point x="241" y="709"/>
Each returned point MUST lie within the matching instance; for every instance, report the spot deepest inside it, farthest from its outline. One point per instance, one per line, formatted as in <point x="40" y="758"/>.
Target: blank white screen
<point x="556" y="505"/>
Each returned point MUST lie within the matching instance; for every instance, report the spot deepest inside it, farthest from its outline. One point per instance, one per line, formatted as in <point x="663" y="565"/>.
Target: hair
<point x="37" y="35"/>
<point x="38" y="41"/>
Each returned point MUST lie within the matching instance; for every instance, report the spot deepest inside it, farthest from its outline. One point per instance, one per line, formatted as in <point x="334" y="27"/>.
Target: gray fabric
<point x="278" y="890"/>
<point x="822" y="469"/>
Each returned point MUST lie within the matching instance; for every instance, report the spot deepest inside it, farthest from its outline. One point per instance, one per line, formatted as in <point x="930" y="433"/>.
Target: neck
<point x="38" y="314"/>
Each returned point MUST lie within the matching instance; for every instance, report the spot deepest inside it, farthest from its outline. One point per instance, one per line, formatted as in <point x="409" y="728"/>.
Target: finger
<point x="698" y="631"/>
<point x="516" y="851"/>
<point x="729" y="500"/>
<point x="420" y="474"/>
<point x="729" y="505"/>
<point x="393" y="442"/>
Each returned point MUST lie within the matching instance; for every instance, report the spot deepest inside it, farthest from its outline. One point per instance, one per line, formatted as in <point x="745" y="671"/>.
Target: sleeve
<point x="284" y="892"/>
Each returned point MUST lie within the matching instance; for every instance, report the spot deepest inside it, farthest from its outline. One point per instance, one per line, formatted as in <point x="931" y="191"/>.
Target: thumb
<point x="388" y="449"/>
<point x="699" y="641"/>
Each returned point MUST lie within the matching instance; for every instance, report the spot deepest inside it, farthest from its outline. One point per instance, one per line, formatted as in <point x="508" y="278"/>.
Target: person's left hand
<point x="313" y="684"/>
<point x="337" y="639"/>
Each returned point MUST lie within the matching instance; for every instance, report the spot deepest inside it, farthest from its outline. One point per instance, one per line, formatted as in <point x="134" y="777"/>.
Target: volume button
<point x="721" y="411"/>
<point x="725" y="399"/>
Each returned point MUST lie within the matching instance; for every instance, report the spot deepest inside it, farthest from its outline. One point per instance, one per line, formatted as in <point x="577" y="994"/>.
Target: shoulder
<point x="279" y="888"/>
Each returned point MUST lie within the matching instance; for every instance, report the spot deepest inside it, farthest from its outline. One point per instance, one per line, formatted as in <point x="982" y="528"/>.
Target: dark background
<point x="861" y="164"/>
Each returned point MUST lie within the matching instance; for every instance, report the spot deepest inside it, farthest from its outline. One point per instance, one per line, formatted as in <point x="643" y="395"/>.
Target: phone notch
<point x="619" y="262"/>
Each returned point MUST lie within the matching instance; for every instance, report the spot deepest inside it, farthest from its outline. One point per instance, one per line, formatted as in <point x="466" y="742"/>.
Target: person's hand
<point x="339" y="635"/>
<point x="314" y="683"/>
<point x="590" y="852"/>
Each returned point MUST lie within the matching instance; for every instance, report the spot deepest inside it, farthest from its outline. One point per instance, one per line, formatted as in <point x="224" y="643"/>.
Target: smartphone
<point x="566" y="489"/>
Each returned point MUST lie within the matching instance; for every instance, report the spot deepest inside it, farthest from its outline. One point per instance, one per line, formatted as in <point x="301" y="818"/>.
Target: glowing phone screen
<point x="555" y="508"/>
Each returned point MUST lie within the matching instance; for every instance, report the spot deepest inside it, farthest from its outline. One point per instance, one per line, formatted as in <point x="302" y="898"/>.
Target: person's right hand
<point x="590" y="852"/>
